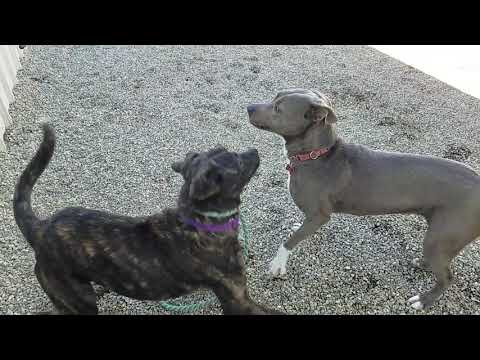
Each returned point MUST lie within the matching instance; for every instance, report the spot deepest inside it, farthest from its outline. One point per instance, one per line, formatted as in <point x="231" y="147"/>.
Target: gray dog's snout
<point x="250" y="109"/>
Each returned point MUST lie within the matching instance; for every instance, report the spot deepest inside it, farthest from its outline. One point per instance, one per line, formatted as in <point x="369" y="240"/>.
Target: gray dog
<point x="329" y="176"/>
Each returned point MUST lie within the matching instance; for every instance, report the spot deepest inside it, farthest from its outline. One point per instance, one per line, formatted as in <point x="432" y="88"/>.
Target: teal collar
<point x="218" y="215"/>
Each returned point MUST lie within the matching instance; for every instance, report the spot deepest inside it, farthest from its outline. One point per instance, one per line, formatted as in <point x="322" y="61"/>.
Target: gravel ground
<point x="123" y="114"/>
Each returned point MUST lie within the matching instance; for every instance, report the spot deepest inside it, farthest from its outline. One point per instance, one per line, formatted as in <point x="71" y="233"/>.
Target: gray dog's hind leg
<point x="441" y="269"/>
<point x="278" y="266"/>
<point x="437" y="255"/>
<point x="443" y="241"/>
<point x="421" y="263"/>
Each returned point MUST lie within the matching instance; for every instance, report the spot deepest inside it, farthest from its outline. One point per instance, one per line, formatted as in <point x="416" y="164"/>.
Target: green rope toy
<point x="187" y="308"/>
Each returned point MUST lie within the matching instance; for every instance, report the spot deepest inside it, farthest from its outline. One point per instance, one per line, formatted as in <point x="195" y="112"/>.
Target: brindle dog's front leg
<point x="247" y="307"/>
<point x="235" y="300"/>
<point x="278" y="266"/>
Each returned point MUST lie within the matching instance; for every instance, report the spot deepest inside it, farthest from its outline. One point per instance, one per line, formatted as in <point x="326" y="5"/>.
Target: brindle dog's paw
<point x="276" y="312"/>
<point x="100" y="290"/>
<point x="45" y="313"/>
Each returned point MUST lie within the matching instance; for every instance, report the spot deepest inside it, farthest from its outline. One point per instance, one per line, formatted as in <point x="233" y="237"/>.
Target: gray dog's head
<point x="215" y="179"/>
<point x="292" y="112"/>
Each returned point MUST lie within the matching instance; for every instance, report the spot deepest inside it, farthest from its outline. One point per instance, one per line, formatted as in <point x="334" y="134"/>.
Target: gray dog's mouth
<point x="262" y="127"/>
<point x="256" y="124"/>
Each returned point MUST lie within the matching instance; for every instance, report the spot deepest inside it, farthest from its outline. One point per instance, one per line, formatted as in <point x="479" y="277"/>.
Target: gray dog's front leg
<point x="278" y="266"/>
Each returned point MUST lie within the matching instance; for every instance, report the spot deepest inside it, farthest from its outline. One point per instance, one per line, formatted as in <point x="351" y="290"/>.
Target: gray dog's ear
<point x="322" y="108"/>
<point x="205" y="184"/>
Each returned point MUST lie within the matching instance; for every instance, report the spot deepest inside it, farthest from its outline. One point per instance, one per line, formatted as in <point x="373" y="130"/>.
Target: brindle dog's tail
<point x="22" y="208"/>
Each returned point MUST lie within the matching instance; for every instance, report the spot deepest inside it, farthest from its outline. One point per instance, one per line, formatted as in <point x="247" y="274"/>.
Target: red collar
<point x="305" y="156"/>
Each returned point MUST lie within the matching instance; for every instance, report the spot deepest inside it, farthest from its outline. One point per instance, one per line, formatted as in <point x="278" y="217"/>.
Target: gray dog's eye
<point x="276" y="108"/>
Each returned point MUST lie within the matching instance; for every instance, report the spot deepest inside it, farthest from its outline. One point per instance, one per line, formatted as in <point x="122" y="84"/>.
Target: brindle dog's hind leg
<point x="68" y="294"/>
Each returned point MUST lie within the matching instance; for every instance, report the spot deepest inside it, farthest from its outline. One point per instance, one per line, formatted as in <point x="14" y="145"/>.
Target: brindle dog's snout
<point x="251" y="160"/>
<point x="252" y="154"/>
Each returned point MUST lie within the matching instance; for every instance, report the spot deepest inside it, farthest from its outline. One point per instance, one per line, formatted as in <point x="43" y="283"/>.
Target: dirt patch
<point x="387" y="121"/>
<point x="403" y="128"/>
<point x="457" y="152"/>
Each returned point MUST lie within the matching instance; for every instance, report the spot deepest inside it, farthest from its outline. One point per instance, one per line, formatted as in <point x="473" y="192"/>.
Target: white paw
<point x="414" y="299"/>
<point x="417" y="305"/>
<point x="415" y="302"/>
<point x="296" y="226"/>
<point x="278" y="266"/>
<point x="417" y="262"/>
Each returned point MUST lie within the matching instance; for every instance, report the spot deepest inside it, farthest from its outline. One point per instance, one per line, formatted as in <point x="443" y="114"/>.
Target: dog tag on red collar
<point x="290" y="168"/>
<point x="315" y="154"/>
<point x="312" y="155"/>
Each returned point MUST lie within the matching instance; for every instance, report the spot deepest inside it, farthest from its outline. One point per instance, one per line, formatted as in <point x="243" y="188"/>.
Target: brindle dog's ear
<point x="177" y="166"/>
<point x="218" y="149"/>
<point x="205" y="184"/>
<point x="322" y="108"/>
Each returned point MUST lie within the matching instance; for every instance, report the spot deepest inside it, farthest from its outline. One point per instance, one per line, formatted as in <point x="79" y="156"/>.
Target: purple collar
<point x="230" y="225"/>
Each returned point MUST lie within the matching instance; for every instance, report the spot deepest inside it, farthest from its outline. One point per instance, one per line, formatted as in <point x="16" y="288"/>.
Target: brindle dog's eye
<point x="191" y="156"/>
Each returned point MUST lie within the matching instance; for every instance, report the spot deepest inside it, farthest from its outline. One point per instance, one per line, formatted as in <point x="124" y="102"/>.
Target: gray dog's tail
<point x="22" y="208"/>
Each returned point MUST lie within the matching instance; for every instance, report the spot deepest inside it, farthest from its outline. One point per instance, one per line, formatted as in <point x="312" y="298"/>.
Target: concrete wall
<point x="456" y="65"/>
<point x="9" y="64"/>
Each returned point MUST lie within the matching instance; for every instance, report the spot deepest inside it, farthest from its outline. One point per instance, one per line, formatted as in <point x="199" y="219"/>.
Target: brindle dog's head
<point x="292" y="112"/>
<point x="215" y="179"/>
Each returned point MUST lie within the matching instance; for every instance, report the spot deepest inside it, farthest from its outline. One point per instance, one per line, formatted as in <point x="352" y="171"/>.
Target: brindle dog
<point x="148" y="258"/>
